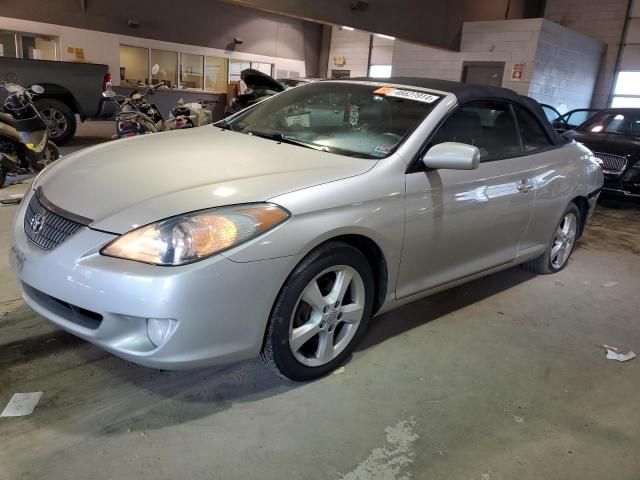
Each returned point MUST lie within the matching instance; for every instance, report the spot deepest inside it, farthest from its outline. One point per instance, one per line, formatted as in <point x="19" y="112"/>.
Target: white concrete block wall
<point x="508" y="41"/>
<point x="566" y="67"/>
<point x="354" y="47"/>
<point x="560" y="65"/>
<point x="599" y="19"/>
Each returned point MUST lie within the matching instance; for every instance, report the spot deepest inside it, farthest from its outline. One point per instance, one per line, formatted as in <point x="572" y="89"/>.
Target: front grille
<point x="45" y="228"/>
<point x="72" y="313"/>
<point x="612" y="164"/>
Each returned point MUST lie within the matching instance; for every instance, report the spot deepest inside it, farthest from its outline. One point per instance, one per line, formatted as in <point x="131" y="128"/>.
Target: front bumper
<point x="627" y="184"/>
<point x="218" y="308"/>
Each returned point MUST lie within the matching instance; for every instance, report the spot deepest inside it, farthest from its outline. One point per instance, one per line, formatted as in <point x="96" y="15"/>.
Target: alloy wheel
<point x="327" y="315"/>
<point x="563" y="240"/>
<point x="55" y="120"/>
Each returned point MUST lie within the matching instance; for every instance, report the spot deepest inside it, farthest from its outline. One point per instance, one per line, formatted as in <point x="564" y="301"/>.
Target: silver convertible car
<point x="282" y="230"/>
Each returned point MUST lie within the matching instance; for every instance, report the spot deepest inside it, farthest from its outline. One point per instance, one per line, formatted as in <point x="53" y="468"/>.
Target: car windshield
<point x="347" y="118"/>
<point x="623" y="122"/>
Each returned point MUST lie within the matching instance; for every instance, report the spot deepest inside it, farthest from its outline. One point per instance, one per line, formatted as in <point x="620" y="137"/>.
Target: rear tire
<point x="556" y="257"/>
<point x="320" y="314"/>
<point x="60" y="119"/>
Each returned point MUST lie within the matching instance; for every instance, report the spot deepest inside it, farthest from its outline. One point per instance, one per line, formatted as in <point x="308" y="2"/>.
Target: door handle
<point x="525" y="186"/>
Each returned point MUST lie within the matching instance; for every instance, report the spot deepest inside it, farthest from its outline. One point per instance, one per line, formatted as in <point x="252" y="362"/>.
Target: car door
<point x="552" y="175"/>
<point x="577" y="117"/>
<point x="457" y="222"/>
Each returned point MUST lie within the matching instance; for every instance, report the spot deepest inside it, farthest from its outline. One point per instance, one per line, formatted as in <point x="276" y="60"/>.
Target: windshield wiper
<point x="280" y="138"/>
<point x="225" y="125"/>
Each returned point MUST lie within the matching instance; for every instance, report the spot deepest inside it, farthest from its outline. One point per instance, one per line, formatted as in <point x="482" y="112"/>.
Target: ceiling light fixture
<point x="388" y="37"/>
<point x="349" y="29"/>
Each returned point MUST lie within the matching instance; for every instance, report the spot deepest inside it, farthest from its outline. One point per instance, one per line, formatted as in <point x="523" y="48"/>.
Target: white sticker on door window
<point x="408" y="94"/>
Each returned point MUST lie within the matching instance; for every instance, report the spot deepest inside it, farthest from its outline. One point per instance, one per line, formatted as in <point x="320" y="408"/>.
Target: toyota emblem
<point x="37" y="222"/>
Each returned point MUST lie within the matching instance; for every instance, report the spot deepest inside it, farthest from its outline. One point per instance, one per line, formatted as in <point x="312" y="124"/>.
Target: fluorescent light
<point x="388" y="37"/>
<point x="350" y="29"/>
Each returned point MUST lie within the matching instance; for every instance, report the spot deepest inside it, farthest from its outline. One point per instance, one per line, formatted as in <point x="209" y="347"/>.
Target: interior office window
<point x="235" y="67"/>
<point x="533" y="135"/>
<point x="380" y="71"/>
<point x="488" y="125"/>
<point x="191" y="71"/>
<point x="8" y="44"/>
<point x="215" y="74"/>
<point x="38" y="48"/>
<point x="265" y="68"/>
<point x="134" y="65"/>
<point x="168" y="63"/>
<point x="626" y="93"/>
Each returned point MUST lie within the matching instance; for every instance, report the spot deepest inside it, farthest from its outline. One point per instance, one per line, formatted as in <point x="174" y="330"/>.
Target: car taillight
<point x="106" y="82"/>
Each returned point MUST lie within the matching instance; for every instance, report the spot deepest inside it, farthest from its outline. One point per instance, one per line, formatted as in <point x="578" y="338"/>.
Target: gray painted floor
<point x="503" y="378"/>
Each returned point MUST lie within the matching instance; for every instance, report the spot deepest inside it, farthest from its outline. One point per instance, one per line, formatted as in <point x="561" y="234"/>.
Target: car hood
<point x="127" y="183"/>
<point x="257" y="80"/>
<point x="625" y="145"/>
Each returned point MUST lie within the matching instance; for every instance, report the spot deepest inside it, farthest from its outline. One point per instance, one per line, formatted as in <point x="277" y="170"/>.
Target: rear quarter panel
<point x="560" y="175"/>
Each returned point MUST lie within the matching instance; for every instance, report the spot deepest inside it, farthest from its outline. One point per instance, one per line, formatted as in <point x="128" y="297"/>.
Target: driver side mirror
<point x="37" y="89"/>
<point x="108" y="94"/>
<point x="452" y="156"/>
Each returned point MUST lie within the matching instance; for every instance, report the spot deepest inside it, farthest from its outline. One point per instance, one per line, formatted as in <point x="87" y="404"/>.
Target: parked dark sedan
<point x="614" y="136"/>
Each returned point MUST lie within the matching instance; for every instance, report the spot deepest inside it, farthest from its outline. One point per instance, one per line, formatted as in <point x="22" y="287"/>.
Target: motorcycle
<point x="137" y="115"/>
<point x="190" y="115"/>
<point x="24" y="138"/>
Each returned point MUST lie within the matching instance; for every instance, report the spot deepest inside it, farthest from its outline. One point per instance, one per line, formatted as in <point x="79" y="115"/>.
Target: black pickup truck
<point x="70" y="89"/>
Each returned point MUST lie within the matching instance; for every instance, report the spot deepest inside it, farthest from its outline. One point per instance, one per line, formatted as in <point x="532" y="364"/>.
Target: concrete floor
<point x="503" y="378"/>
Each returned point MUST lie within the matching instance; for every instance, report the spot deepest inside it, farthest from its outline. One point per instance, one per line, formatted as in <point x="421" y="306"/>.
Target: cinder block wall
<point x="599" y="19"/>
<point x="508" y="41"/>
<point x="561" y="65"/>
<point x="565" y="68"/>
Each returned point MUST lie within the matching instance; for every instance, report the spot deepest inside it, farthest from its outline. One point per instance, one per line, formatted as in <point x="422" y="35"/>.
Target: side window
<point x="489" y="125"/>
<point x="533" y="135"/>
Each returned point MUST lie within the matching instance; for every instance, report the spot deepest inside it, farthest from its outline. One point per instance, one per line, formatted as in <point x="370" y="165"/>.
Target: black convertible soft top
<point x="466" y="93"/>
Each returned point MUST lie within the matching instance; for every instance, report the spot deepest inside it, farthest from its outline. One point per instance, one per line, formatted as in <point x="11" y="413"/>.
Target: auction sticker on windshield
<point x="408" y="94"/>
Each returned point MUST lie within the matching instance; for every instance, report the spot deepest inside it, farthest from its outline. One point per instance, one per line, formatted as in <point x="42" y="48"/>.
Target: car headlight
<point x="193" y="236"/>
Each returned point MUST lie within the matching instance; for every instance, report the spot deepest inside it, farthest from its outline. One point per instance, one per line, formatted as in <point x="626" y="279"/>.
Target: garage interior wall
<point x="433" y="22"/>
<point x="510" y="41"/>
<point x="566" y="67"/>
<point x="549" y="53"/>
<point x="602" y="20"/>
<point x="350" y="47"/>
<point x="102" y="47"/>
<point x="206" y="23"/>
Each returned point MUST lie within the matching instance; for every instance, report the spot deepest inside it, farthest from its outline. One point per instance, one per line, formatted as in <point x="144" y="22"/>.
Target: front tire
<point x="556" y="257"/>
<point x="320" y="314"/>
<point x="49" y="155"/>
<point x="60" y="119"/>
